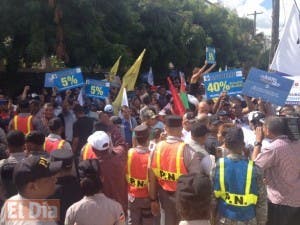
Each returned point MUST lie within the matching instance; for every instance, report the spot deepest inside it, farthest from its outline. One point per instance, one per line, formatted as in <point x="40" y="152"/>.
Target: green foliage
<point x="97" y="32"/>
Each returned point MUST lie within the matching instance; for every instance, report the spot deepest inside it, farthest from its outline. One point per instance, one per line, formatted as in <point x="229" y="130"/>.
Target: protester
<point x="54" y="141"/>
<point x="280" y="161"/>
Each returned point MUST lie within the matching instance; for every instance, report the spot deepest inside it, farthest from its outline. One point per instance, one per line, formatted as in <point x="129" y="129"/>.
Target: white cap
<point x="99" y="140"/>
<point x="109" y="109"/>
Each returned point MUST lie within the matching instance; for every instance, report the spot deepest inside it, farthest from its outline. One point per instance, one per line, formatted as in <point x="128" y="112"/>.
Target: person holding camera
<point x="280" y="161"/>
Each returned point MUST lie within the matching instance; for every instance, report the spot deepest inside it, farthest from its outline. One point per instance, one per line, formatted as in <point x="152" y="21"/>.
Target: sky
<point x="263" y="21"/>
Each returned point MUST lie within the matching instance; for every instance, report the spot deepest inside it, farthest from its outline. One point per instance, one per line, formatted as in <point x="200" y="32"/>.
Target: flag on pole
<point x="286" y="58"/>
<point x="129" y="80"/>
<point x="150" y="77"/>
<point x="183" y="95"/>
<point x="80" y="97"/>
<point x="178" y="106"/>
<point x="124" y="98"/>
<point x="114" y="70"/>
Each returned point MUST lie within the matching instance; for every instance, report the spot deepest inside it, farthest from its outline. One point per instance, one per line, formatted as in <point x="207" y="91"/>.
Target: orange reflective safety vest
<point x="51" y="145"/>
<point x="23" y="123"/>
<point x="88" y="152"/>
<point x="137" y="173"/>
<point x="168" y="165"/>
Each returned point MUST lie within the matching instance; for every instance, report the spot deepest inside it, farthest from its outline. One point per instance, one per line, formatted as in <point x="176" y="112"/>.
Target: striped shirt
<point x="281" y="164"/>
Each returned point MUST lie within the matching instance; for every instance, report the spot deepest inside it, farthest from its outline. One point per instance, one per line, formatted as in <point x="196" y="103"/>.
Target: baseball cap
<point x="148" y="114"/>
<point x="33" y="168"/>
<point x="193" y="187"/>
<point x="99" y="140"/>
<point x="109" y="109"/>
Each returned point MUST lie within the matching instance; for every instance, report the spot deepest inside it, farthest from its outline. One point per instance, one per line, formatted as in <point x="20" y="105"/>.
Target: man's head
<point x="274" y="127"/>
<point x="15" y="141"/>
<point x="199" y="132"/>
<point x="109" y="110"/>
<point x="34" y="177"/>
<point x="34" y="141"/>
<point x="187" y="120"/>
<point x="56" y="126"/>
<point x="23" y="106"/>
<point x="89" y="174"/>
<point x="100" y="142"/>
<point x="173" y="125"/>
<point x="142" y="134"/>
<point x="48" y="111"/>
<point x="149" y="117"/>
<point x="234" y="140"/>
<point x="203" y="108"/>
<point x="78" y="110"/>
<point x="126" y="112"/>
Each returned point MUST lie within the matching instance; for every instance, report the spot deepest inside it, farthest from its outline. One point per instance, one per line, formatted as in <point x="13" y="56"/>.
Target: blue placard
<point x="64" y="79"/>
<point x="271" y="87"/>
<point x="210" y="55"/>
<point x="230" y="81"/>
<point x="97" y="89"/>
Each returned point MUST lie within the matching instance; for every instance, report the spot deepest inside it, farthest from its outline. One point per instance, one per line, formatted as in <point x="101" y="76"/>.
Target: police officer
<point x="67" y="186"/>
<point x="54" y="140"/>
<point x="238" y="185"/>
<point x="137" y="162"/>
<point x="22" y="121"/>
<point x="170" y="159"/>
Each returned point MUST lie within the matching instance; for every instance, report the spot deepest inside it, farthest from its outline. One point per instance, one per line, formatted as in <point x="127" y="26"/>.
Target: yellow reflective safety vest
<point x="168" y="165"/>
<point x="236" y="189"/>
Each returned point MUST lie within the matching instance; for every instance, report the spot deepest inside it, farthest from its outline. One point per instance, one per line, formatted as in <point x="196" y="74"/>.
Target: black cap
<point x="173" y="121"/>
<point x="34" y="168"/>
<point x="194" y="187"/>
<point x="66" y="156"/>
<point x="89" y="168"/>
<point x="35" y="137"/>
<point x="141" y="131"/>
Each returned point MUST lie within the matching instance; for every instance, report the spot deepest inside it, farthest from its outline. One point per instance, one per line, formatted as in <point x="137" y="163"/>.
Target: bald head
<point x="203" y="108"/>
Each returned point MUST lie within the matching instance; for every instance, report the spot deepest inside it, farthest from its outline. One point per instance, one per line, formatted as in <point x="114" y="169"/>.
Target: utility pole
<point x="254" y="21"/>
<point x="275" y="28"/>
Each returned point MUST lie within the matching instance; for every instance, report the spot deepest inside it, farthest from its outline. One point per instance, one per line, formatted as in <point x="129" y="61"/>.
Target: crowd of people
<point x="233" y="160"/>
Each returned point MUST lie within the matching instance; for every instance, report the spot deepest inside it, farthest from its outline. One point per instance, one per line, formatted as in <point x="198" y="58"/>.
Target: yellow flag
<point x="114" y="70"/>
<point x="129" y="80"/>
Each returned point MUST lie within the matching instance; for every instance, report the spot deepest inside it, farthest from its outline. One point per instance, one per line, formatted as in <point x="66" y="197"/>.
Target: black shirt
<point x="82" y="129"/>
<point x="68" y="192"/>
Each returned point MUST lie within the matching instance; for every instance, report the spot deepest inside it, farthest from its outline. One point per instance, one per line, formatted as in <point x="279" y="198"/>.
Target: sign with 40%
<point x="230" y="81"/>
